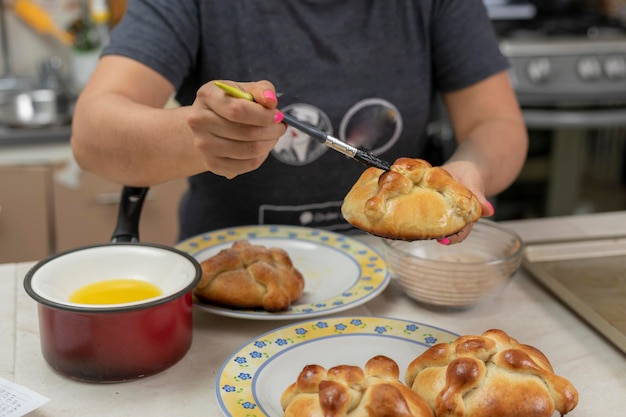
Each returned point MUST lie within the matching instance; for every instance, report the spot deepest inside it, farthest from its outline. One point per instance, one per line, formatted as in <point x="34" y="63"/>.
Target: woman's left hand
<point x="467" y="174"/>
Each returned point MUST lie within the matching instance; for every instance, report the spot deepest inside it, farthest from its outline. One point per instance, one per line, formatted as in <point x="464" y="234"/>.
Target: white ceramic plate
<point x="252" y="379"/>
<point x="340" y="272"/>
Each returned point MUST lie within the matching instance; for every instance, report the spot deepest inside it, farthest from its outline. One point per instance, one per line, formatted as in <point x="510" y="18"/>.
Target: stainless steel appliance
<point x="568" y="68"/>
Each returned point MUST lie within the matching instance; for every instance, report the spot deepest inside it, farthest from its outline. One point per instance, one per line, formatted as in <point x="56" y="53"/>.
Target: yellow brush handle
<point x="234" y="91"/>
<point x="37" y="18"/>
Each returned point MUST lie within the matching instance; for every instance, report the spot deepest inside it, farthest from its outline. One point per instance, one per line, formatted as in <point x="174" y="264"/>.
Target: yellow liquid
<point x="115" y="291"/>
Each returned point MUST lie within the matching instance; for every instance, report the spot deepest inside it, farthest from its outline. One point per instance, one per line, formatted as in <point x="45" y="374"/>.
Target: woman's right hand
<point x="235" y="135"/>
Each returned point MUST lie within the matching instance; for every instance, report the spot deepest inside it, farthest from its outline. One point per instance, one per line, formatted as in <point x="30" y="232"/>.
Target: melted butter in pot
<point x="115" y="291"/>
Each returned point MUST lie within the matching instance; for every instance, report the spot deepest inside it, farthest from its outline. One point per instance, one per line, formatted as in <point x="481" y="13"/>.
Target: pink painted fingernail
<point x="278" y="117"/>
<point x="493" y="210"/>
<point x="269" y="94"/>
<point x="444" y="241"/>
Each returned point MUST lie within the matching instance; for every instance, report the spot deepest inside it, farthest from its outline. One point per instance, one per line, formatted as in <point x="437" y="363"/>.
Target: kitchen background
<point x="568" y="67"/>
<point x="39" y="29"/>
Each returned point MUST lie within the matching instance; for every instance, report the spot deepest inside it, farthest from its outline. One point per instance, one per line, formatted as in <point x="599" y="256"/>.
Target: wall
<point x="27" y="47"/>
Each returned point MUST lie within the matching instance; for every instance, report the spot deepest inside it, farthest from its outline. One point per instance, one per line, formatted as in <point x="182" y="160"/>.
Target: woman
<point x="364" y="70"/>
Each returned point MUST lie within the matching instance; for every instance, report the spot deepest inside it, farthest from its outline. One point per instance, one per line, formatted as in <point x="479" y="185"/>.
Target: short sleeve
<point x="162" y="34"/>
<point x="464" y="44"/>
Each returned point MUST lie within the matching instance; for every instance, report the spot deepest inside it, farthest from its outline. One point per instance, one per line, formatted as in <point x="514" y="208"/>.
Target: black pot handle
<point x="127" y="228"/>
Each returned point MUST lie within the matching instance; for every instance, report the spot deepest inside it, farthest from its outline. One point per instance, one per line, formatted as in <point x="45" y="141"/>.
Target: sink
<point x="42" y="135"/>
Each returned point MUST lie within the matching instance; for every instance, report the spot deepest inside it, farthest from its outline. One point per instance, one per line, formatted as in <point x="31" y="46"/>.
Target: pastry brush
<point x="359" y="155"/>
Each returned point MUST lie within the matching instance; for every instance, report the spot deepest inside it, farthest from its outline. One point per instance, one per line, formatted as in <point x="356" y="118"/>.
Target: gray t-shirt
<point x="365" y="71"/>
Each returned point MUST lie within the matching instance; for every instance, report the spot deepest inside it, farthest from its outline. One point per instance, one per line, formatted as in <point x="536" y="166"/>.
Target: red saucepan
<point x="121" y="341"/>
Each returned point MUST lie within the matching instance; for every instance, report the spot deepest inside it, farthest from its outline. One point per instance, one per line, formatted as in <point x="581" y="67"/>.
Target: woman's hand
<point x="467" y="174"/>
<point x="492" y="140"/>
<point x="234" y="135"/>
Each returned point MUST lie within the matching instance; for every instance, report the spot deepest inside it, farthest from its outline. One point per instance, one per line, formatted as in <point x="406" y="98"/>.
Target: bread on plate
<point x="250" y="276"/>
<point x="491" y="375"/>
<point x="351" y="391"/>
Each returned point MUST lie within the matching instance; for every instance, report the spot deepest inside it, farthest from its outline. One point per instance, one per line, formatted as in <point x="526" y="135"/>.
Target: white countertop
<point x="35" y="154"/>
<point x="34" y="146"/>
<point x="524" y="309"/>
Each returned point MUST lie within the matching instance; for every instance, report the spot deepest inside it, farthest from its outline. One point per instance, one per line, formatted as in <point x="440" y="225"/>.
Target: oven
<point x="568" y="69"/>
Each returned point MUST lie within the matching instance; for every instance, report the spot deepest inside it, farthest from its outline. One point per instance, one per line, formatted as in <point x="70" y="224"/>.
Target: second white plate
<point x="252" y="380"/>
<point x="340" y="272"/>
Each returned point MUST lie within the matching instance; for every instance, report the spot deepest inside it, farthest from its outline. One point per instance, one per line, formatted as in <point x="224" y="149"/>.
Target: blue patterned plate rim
<point x="252" y="379"/>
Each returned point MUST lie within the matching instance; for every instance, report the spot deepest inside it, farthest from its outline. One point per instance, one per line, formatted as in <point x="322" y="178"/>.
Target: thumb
<point x="486" y="206"/>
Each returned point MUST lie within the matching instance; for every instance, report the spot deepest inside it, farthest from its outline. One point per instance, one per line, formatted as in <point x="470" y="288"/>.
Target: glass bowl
<point x="456" y="276"/>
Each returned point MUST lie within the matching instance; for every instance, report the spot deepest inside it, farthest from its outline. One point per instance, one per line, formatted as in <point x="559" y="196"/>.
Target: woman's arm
<point x="492" y="137"/>
<point x="121" y="130"/>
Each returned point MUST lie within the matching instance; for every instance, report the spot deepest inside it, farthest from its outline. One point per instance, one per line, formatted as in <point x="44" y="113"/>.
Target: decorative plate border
<point x="374" y="276"/>
<point x="236" y="379"/>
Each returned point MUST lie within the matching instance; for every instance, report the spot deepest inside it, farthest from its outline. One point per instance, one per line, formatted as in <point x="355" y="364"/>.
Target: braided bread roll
<point x="489" y="376"/>
<point x="349" y="391"/>
<point x="412" y="201"/>
<point x="250" y="276"/>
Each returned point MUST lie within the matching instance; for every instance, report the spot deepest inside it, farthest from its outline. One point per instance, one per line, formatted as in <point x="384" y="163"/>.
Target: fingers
<point x="261" y="112"/>
<point x="487" y="211"/>
<point x="235" y="135"/>
<point x="263" y="92"/>
<point x="486" y="206"/>
<point x="457" y="237"/>
<point x="231" y="168"/>
<point x="467" y="174"/>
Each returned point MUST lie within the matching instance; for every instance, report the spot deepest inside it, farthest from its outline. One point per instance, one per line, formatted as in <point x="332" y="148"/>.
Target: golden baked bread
<point x="491" y="375"/>
<point x="349" y="391"/>
<point x="250" y="276"/>
<point x="412" y="201"/>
